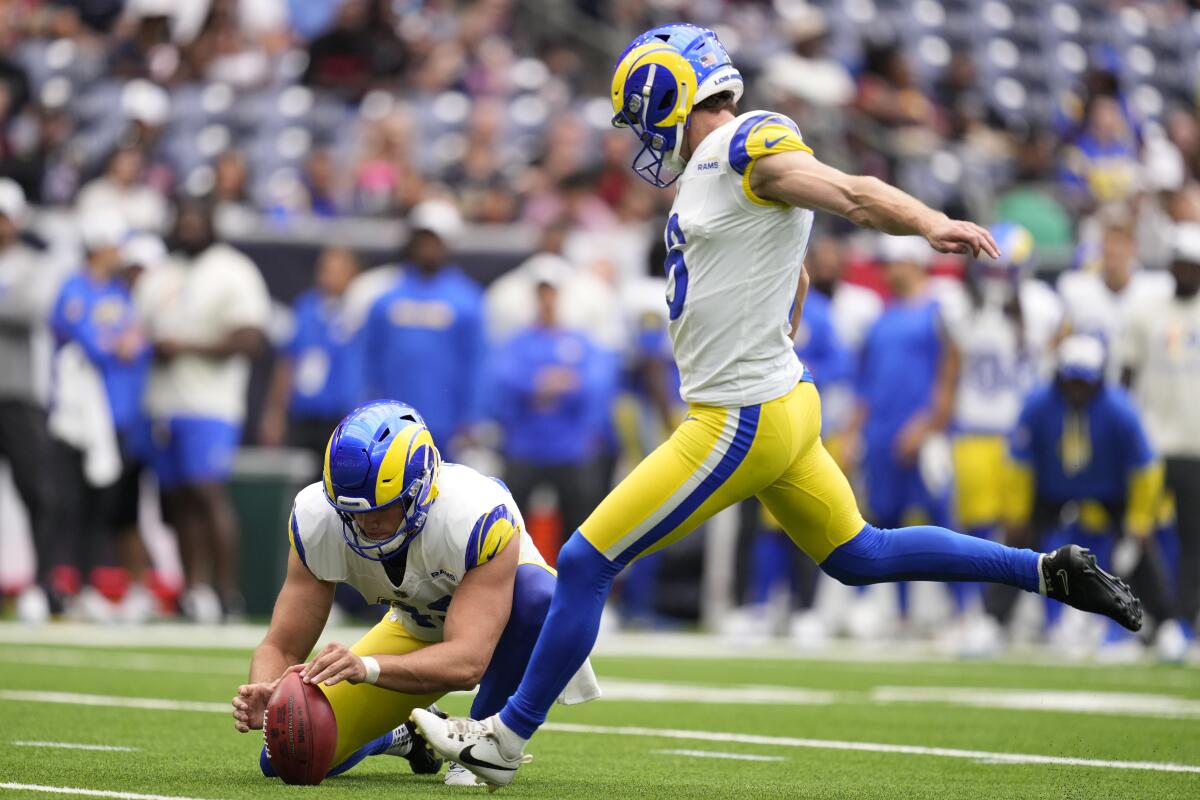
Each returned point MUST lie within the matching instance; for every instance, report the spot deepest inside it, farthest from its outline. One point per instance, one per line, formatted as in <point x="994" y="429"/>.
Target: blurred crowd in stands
<point x="137" y="135"/>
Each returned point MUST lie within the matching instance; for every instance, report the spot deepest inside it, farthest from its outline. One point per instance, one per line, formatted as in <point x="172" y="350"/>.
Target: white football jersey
<point x="1093" y="308"/>
<point x="472" y="519"/>
<point x="998" y="370"/>
<point x="733" y="265"/>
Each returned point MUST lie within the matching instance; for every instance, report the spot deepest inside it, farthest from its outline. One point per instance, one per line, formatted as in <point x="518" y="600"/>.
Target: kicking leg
<point x="705" y="466"/>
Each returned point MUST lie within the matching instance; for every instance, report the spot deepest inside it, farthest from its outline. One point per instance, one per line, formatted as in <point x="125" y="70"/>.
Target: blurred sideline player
<point x="1004" y="337"/>
<point x="1084" y="468"/>
<point x="1161" y="364"/>
<point x="736" y="234"/>
<point x="442" y="544"/>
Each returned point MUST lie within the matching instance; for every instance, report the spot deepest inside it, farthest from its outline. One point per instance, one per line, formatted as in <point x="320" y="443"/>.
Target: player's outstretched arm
<point x="300" y="614"/>
<point x="799" y="179"/>
<point x="474" y="622"/>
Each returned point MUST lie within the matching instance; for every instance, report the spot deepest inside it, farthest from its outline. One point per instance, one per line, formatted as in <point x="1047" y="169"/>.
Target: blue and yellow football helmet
<point x="658" y="80"/>
<point x="381" y="453"/>
<point x="998" y="279"/>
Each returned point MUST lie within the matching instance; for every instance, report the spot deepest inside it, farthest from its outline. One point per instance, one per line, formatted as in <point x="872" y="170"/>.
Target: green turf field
<point x="804" y="728"/>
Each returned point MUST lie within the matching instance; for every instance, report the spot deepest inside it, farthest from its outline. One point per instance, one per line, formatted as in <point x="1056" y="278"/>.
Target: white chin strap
<point x="673" y="160"/>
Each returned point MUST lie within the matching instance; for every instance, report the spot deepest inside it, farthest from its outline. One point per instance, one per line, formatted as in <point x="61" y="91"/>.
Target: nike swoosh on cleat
<point x="465" y="757"/>
<point x="769" y="143"/>
<point x="1062" y="573"/>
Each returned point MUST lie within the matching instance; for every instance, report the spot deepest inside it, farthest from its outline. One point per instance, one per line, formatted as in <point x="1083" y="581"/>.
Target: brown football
<point x="300" y="732"/>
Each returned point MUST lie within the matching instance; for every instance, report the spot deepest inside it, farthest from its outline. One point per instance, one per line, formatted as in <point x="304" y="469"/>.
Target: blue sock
<point x="372" y="748"/>
<point x="585" y="577"/>
<point x="928" y="553"/>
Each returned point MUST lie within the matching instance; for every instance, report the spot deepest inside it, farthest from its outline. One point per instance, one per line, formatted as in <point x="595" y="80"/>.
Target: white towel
<point x="82" y="417"/>
<point x="582" y="687"/>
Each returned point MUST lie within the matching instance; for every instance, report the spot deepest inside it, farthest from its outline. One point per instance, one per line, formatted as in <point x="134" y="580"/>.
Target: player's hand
<point x="250" y="705"/>
<point x="958" y="236"/>
<point x="912" y="437"/>
<point x="335" y="663"/>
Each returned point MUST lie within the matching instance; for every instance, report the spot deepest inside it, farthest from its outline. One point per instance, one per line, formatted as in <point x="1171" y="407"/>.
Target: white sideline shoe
<point x="458" y="775"/>
<point x="471" y="743"/>
<point x="33" y="607"/>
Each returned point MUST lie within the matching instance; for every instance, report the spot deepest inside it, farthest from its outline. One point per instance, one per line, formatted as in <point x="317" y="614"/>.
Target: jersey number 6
<point x="677" y="274"/>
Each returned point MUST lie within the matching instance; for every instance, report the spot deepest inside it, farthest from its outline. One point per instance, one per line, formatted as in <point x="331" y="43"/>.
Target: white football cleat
<point x="471" y="743"/>
<point x="458" y="775"/>
<point x="33" y="607"/>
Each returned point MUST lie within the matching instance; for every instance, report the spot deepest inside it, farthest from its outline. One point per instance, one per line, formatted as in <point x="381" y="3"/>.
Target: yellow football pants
<point x="721" y="456"/>
<point x="982" y="479"/>
<point x="363" y="711"/>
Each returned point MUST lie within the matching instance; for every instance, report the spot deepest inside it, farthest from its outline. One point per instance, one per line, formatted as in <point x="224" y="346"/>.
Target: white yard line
<point x="870" y="747"/>
<point x="37" y="787"/>
<point x="1124" y="703"/>
<point x="132" y="662"/>
<point x="718" y="754"/>
<point x="660" y="733"/>
<point x="111" y="701"/>
<point x="621" y="689"/>
<point x="106" y="748"/>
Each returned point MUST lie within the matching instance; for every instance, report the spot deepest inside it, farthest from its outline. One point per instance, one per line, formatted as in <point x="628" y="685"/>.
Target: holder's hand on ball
<point x="250" y="705"/>
<point x="335" y="663"/>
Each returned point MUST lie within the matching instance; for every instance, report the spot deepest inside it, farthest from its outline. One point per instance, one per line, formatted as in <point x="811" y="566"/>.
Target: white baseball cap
<point x="1081" y="356"/>
<point x="101" y="228"/>
<point x="908" y="249"/>
<point x="439" y="217"/>
<point x="143" y="250"/>
<point x="12" y="201"/>
<point x="1185" y="242"/>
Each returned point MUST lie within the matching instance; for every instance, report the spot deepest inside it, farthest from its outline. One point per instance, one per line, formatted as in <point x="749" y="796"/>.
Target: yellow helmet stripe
<point x="389" y="482"/>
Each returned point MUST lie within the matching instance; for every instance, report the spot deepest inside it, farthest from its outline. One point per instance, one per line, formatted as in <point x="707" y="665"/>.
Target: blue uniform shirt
<point x="898" y="369"/>
<point x="818" y="345"/>
<point x="1087" y="456"/>
<point x="424" y="345"/>
<point x="327" y="378"/>
<point x="566" y="430"/>
<point x="95" y="314"/>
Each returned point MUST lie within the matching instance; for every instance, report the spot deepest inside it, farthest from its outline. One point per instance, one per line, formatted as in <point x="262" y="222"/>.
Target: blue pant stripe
<point x="743" y="439"/>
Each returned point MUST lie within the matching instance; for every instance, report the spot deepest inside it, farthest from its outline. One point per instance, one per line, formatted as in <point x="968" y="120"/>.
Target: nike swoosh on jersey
<point x="465" y="757"/>
<point x="769" y="143"/>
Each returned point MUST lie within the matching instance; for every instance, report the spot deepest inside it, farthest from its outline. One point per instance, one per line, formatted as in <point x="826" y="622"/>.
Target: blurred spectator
<point x="360" y="48"/>
<point x="1097" y="301"/>
<point x="26" y="292"/>
<point x="1101" y="164"/>
<point x="205" y="312"/>
<point x="122" y="188"/>
<point x="906" y="382"/>
<point x="804" y="72"/>
<point x="888" y="92"/>
<point x="318" y="375"/>
<point x="424" y="339"/>
<point x="546" y="383"/>
<point x="321" y="184"/>
<point x="224" y="51"/>
<point x="145" y="49"/>
<point x="1080" y="443"/>
<point x="1160" y="352"/>
<point x="854" y="308"/>
<point x="100" y="373"/>
<point x="230" y="178"/>
<point x="385" y="178"/>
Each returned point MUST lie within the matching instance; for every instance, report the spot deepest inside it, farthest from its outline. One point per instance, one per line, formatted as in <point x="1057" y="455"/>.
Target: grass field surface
<point x="135" y="719"/>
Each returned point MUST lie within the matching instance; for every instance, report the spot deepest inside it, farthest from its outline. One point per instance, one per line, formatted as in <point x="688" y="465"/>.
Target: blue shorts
<point x="895" y="491"/>
<point x="192" y="450"/>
